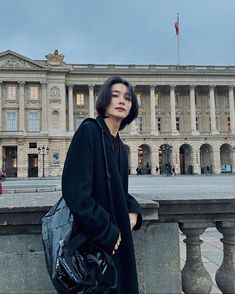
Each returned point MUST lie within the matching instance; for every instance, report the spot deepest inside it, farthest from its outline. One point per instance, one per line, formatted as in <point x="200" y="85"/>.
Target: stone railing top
<point x="29" y="208"/>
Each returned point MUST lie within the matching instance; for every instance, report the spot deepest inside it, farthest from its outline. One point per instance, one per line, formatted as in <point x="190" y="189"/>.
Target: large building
<point x="186" y="118"/>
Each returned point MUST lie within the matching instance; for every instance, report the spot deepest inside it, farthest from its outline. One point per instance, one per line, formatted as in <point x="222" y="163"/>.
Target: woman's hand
<point x="117" y="243"/>
<point x="133" y="219"/>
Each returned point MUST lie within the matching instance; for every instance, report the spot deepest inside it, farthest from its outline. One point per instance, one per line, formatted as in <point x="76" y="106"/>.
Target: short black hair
<point x="105" y="96"/>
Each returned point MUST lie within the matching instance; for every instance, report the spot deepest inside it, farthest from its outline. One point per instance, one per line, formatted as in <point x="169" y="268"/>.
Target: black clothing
<point x="85" y="191"/>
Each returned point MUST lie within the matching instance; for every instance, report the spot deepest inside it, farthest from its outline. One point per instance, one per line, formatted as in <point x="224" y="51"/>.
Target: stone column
<point x="133" y="159"/>
<point x="71" y="118"/>
<point x="231" y="109"/>
<point x="175" y="160"/>
<point x="212" y="110"/>
<point x="225" y="275"/>
<point x="196" y="162"/>
<point x="195" y="278"/>
<point x="154" y="161"/>
<point x="172" y="105"/>
<point x="194" y="130"/>
<point x="216" y="162"/>
<point x="91" y="101"/>
<point x="44" y="103"/>
<point x="21" y="108"/>
<point x="1" y="114"/>
<point x="154" y="129"/>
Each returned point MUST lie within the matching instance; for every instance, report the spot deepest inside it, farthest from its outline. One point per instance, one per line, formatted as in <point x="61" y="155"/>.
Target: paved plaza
<point x="160" y="187"/>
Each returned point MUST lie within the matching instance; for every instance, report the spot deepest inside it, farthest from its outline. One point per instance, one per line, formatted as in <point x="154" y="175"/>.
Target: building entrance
<point x="10" y="161"/>
<point x="32" y="165"/>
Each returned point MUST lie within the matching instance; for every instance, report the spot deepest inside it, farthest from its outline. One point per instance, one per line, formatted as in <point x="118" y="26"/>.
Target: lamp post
<point x="43" y="151"/>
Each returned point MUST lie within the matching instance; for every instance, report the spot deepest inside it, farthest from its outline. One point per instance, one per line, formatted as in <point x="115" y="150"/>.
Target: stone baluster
<point x="225" y="275"/>
<point x="195" y="278"/>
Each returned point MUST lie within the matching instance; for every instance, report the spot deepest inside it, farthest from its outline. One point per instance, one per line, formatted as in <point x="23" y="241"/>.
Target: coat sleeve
<point x="77" y="180"/>
<point x="133" y="206"/>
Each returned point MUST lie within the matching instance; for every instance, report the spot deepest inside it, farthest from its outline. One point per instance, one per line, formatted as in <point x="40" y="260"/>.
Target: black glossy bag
<point x="74" y="264"/>
<point x="73" y="267"/>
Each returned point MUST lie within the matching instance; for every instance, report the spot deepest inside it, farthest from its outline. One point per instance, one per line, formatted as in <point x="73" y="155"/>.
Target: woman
<point x="84" y="181"/>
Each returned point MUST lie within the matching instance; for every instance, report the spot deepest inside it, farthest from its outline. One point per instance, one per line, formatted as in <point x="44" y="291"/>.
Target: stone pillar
<point x="154" y="161"/>
<point x="44" y="115"/>
<point x="196" y="162"/>
<point x="216" y="162"/>
<point x="154" y="129"/>
<point x="225" y="275"/>
<point x="1" y="114"/>
<point x="133" y="159"/>
<point x="231" y="109"/>
<point x="71" y="118"/>
<point x="22" y="166"/>
<point x="175" y="160"/>
<point x="91" y="101"/>
<point x="194" y="130"/>
<point x="195" y="278"/>
<point x="212" y="110"/>
<point x="172" y="105"/>
<point x="21" y="108"/>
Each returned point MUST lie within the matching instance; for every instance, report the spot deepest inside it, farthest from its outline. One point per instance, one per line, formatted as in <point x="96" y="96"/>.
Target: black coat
<point x="85" y="191"/>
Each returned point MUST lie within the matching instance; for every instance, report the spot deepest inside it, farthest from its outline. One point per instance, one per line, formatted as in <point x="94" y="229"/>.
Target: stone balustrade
<point x="194" y="217"/>
<point x="157" y="244"/>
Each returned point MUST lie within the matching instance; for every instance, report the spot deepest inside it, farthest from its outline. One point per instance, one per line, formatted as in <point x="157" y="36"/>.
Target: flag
<point x="177" y="30"/>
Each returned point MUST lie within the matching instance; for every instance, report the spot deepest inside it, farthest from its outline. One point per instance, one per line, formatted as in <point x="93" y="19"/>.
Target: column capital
<point x="152" y="86"/>
<point x="231" y="87"/>
<point x="192" y="86"/>
<point x="172" y="87"/>
<point x="21" y="83"/>
<point x="91" y="86"/>
<point x="212" y="87"/>
<point x="43" y="84"/>
<point x="70" y="86"/>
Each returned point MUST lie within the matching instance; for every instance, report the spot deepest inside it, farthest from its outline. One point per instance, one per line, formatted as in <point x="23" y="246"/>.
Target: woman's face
<point x="120" y="104"/>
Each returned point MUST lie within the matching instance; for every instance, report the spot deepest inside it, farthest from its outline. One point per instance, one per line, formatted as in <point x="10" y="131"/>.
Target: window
<point x="80" y="101"/>
<point x="139" y="124"/>
<point x="176" y="99"/>
<point x="178" y="124"/>
<point x="11" y="92"/>
<point x="158" y="124"/>
<point x="197" y="120"/>
<point x="157" y="98"/>
<point x="11" y="121"/>
<point x="33" y="121"/>
<point x="32" y="145"/>
<point x="226" y="102"/>
<point x="79" y="121"/>
<point x="229" y="125"/>
<point x="138" y="98"/>
<point x="33" y="92"/>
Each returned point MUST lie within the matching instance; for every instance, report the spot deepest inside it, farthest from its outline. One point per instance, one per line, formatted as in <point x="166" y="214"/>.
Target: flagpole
<point x="178" y="41"/>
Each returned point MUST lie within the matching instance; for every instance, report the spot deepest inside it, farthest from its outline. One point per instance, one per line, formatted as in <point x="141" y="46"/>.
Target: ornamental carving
<point x="14" y="62"/>
<point x="55" y="58"/>
<point x="55" y="92"/>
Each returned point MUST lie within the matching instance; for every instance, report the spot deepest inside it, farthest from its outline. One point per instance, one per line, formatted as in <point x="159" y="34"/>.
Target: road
<point x="156" y="187"/>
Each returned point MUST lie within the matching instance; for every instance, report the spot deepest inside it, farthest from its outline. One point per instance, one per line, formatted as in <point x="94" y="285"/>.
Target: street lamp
<point x="43" y="151"/>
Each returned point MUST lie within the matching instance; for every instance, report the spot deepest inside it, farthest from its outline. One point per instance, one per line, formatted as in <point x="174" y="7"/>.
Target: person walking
<point x="84" y="181"/>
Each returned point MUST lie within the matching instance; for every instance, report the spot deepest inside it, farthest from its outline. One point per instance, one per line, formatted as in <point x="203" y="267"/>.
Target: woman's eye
<point x="128" y="98"/>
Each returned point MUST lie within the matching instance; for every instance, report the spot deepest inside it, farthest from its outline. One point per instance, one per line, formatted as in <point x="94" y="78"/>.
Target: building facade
<point x="186" y="119"/>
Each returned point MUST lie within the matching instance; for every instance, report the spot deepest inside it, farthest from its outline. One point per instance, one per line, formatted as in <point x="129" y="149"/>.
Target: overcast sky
<point x="121" y="31"/>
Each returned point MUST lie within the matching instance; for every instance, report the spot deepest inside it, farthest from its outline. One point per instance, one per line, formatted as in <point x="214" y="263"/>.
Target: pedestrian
<point x="157" y="170"/>
<point x="173" y="171"/>
<point x="84" y="184"/>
